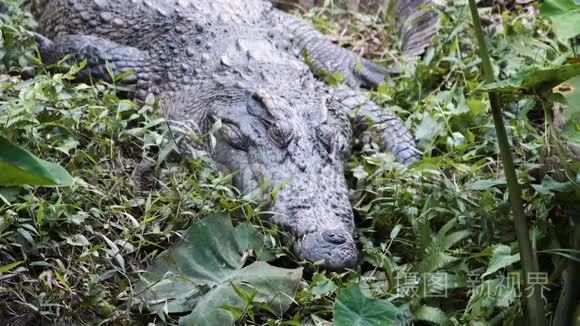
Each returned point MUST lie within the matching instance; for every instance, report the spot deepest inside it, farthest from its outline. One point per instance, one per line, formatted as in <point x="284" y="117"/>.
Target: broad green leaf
<point x="322" y="285"/>
<point x="486" y="184"/>
<point x="534" y="80"/>
<point x="250" y="239"/>
<point x="20" y="167"/>
<point x="570" y="90"/>
<point x="196" y="275"/>
<point x="275" y="286"/>
<point x="565" y="16"/>
<point x="428" y="129"/>
<point x="549" y="186"/>
<point x="501" y="258"/>
<point x="353" y="308"/>
<point x="9" y="194"/>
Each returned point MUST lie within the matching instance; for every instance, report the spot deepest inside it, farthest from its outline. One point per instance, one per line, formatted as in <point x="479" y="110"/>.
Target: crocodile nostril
<point x="335" y="237"/>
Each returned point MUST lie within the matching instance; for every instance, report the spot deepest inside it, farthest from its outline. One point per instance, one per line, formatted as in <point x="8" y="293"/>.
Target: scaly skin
<point x="239" y="61"/>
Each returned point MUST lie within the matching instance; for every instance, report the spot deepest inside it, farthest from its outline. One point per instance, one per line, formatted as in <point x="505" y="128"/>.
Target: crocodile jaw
<point x="335" y="247"/>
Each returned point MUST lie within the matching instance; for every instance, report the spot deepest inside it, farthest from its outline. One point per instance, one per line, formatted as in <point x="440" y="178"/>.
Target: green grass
<point x="72" y="255"/>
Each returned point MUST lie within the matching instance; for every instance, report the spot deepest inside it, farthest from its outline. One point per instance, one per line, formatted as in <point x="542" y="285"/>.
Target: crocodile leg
<point x="326" y="56"/>
<point x="389" y="129"/>
<point x="417" y="26"/>
<point x="105" y="59"/>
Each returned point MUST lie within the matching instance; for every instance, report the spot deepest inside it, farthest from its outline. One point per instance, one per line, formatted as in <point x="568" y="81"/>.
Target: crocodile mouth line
<point x="313" y="247"/>
<point x="333" y="244"/>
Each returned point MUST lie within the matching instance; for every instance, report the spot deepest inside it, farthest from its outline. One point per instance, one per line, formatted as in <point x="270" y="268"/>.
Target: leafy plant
<point x="535" y="80"/>
<point x="570" y="91"/>
<point x="565" y="15"/>
<point x="20" y="167"/>
<point x="71" y="255"/>
<point x="205" y="274"/>
<point x="433" y="249"/>
<point x="353" y="308"/>
<point x="535" y="307"/>
<point x="500" y="258"/>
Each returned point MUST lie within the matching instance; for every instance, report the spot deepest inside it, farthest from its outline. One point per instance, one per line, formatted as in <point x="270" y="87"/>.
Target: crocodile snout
<point x="336" y="247"/>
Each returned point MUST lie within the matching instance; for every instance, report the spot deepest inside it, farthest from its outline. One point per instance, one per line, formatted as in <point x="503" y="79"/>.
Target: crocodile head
<point x="298" y="148"/>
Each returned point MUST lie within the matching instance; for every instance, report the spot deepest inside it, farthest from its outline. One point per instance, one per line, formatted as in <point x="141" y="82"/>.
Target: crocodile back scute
<point x="58" y="17"/>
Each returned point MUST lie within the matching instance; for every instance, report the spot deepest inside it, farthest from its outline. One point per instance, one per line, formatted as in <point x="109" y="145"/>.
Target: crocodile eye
<point x="279" y="136"/>
<point x="333" y="141"/>
<point x="325" y="136"/>
<point x="233" y="136"/>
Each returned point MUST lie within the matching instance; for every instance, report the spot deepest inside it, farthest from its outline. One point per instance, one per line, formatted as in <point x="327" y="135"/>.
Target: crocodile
<point x="242" y="64"/>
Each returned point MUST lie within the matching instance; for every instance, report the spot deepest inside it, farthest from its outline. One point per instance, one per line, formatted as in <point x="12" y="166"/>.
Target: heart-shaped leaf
<point x="198" y="273"/>
<point x="565" y="16"/>
<point x="353" y="308"/>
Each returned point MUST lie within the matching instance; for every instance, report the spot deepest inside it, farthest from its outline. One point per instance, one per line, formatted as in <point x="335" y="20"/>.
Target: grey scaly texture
<point x="241" y="62"/>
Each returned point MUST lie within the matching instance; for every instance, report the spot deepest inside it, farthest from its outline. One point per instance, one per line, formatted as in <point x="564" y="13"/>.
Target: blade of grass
<point x="564" y="314"/>
<point x="535" y="305"/>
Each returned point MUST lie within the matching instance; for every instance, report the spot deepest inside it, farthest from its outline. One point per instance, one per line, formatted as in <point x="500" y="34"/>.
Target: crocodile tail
<point x="417" y="24"/>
